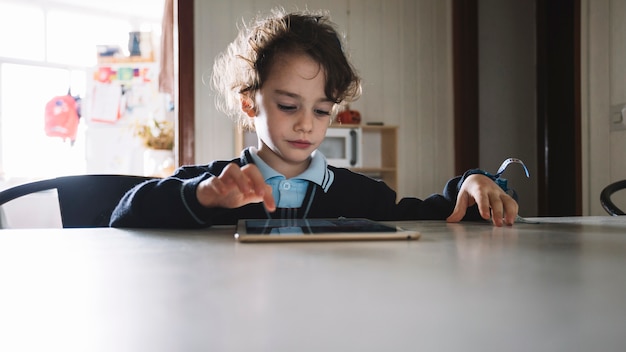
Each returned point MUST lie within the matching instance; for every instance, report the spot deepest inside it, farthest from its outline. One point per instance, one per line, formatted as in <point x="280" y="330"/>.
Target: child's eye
<point x="286" y="107"/>
<point x="322" y="112"/>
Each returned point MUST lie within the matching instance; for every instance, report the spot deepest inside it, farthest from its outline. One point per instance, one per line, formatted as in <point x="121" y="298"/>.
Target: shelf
<point x="104" y="60"/>
<point x="380" y="153"/>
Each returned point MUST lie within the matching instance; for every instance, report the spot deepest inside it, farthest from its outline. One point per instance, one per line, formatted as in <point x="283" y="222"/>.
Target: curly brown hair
<point x="241" y="70"/>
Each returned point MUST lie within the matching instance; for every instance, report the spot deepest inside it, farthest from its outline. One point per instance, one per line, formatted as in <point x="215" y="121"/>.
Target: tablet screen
<point x="314" y="226"/>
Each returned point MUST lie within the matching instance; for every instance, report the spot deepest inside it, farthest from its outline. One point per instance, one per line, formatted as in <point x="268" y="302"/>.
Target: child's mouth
<point x="300" y="144"/>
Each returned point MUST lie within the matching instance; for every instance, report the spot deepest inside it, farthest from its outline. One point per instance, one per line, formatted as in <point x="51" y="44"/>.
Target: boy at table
<point x="287" y="76"/>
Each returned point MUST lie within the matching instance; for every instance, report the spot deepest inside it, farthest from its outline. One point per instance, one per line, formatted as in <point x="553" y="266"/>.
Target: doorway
<point x="556" y="176"/>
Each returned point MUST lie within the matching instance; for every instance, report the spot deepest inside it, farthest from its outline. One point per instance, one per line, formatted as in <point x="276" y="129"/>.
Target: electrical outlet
<point x="617" y="119"/>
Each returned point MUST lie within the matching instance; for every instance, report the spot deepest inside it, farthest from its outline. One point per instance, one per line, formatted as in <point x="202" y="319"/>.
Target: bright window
<point x="48" y="48"/>
<point x="79" y="35"/>
<point x="27" y="151"/>
<point x="22" y="33"/>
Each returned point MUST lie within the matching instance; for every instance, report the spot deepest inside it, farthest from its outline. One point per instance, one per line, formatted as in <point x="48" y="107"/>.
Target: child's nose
<point x="305" y="121"/>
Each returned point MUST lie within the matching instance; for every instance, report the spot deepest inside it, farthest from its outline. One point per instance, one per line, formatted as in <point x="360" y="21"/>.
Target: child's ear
<point x="247" y="106"/>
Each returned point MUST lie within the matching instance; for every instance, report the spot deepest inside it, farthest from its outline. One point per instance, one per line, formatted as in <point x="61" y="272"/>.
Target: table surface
<point x="556" y="285"/>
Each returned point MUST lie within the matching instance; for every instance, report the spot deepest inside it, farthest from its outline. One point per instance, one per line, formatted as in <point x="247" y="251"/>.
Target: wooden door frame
<point x="465" y="84"/>
<point x="184" y="67"/>
<point x="559" y="108"/>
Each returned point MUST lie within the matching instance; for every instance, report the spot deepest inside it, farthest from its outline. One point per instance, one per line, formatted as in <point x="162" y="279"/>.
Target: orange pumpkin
<point x="349" y="117"/>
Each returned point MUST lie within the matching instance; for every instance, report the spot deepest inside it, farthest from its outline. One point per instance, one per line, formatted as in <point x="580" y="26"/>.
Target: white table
<point x="555" y="286"/>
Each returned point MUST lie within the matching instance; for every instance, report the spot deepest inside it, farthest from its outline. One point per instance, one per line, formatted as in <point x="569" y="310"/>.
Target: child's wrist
<point x="499" y="181"/>
<point x="497" y="178"/>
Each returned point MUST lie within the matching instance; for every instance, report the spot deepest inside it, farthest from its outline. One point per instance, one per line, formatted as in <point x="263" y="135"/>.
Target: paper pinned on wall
<point x="105" y="105"/>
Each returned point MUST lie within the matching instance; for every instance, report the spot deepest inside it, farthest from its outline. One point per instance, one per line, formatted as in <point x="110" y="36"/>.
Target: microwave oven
<point x="342" y="147"/>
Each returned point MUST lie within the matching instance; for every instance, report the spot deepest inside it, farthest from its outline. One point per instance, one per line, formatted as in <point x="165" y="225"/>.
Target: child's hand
<point x="236" y="187"/>
<point x="491" y="199"/>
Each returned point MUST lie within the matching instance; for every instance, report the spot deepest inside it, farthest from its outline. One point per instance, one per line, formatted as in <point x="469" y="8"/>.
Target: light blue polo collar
<point x="317" y="172"/>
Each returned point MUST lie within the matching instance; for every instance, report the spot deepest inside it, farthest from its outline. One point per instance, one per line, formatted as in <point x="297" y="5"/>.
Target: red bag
<point x="62" y="117"/>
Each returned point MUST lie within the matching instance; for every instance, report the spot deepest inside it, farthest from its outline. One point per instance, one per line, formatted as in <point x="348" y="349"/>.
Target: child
<point x="286" y="76"/>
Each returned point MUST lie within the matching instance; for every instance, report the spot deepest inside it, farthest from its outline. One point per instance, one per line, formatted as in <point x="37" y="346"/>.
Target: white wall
<point x="402" y="49"/>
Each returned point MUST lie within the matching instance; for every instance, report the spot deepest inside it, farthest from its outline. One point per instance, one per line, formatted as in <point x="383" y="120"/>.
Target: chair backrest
<point x="605" y="197"/>
<point x="84" y="200"/>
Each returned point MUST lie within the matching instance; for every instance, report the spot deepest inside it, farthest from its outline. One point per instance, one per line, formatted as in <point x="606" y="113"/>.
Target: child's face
<point x="293" y="113"/>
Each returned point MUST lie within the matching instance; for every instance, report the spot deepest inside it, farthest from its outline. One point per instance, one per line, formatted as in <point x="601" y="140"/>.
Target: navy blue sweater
<point x="171" y="202"/>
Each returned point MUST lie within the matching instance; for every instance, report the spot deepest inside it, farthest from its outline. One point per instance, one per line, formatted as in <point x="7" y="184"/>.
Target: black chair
<point x="84" y="200"/>
<point x="605" y="197"/>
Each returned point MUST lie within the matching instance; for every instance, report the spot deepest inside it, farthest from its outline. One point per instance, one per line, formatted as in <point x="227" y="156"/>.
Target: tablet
<point x="342" y="229"/>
